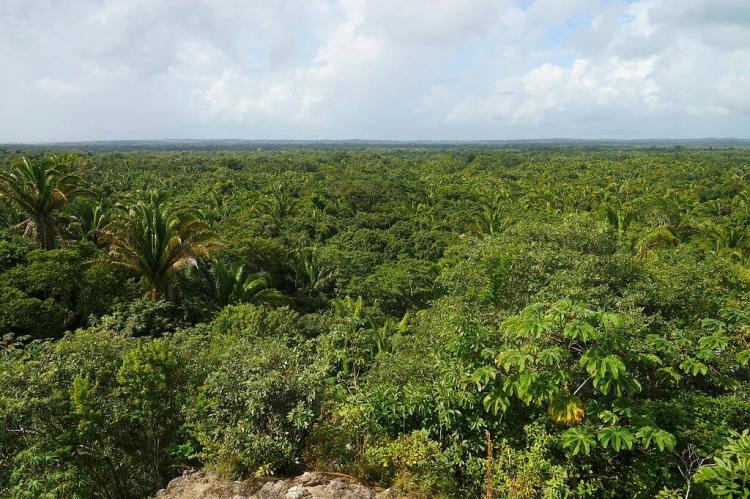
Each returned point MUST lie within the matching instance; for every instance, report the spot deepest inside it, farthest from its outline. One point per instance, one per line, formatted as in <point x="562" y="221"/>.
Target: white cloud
<point x="300" y="95"/>
<point x="440" y="22"/>
<point x="567" y="94"/>
<point x="644" y="75"/>
<point x="373" y="68"/>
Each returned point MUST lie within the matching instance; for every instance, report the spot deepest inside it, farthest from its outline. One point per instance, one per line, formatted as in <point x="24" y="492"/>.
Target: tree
<point x="565" y="356"/>
<point x="724" y="239"/>
<point x="491" y="221"/>
<point x="41" y="189"/>
<point x="309" y="273"/>
<point x="155" y="241"/>
<point x="252" y="414"/>
<point x="619" y="219"/>
<point x="230" y="285"/>
<point x="280" y="205"/>
<point x="89" y="220"/>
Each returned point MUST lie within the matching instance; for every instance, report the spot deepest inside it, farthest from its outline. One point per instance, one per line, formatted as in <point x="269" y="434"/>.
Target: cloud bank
<point x="376" y="69"/>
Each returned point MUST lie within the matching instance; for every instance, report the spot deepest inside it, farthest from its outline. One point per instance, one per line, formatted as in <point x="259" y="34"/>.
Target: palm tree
<point x="229" y="285"/>
<point x="670" y="215"/>
<point x="88" y="219"/>
<point x="309" y="273"/>
<point x="155" y="241"/>
<point x="347" y="331"/>
<point x="619" y="219"/>
<point x="382" y="334"/>
<point x="214" y="211"/>
<point x="491" y="222"/>
<point x="41" y="189"/>
<point x="729" y="240"/>
<point x="658" y="238"/>
<point x="279" y="205"/>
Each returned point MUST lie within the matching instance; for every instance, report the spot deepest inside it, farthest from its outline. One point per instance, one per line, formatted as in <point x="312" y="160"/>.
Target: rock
<point x="200" y="485"/>
<point x="340" y="489"/>
<point x="273" y="490"/>
<point x="310" y="485"/>
<point x="315" y="485"/>
<point x="297" y="492"/>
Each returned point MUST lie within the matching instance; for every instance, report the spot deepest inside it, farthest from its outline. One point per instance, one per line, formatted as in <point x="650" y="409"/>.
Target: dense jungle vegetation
<point x="455" y="322"/>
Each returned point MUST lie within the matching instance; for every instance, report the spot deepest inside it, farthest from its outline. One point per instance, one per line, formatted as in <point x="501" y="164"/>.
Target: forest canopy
<point x="450" y="322"/>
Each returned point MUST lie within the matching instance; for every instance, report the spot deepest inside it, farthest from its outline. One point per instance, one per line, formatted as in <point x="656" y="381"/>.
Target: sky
<point x="77" y="70"/>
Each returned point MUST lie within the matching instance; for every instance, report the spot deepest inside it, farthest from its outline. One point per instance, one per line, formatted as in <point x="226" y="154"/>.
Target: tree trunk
<point x="45" y="233"/>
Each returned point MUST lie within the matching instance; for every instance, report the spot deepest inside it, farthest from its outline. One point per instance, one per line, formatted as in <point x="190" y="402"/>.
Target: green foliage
<point x="532" y="471"/>
<point x="414" y="464"/>
<point x="310" y="274"/>
<point x="24" y="315"/>
<point x="153" y="241"/>
<point x="279" y="205"/>
<point x="578" y="441"/>
<point x="252" y="321"/>
<point x="53" y="290"/>
<point x="230" y="285"/>
<point x="662" y="439"/>
<point x="41" y="190"/>
<point x="729" y="474"/>
<point x="617" y="438"/>
<point x="399" y="286"/>
<point x="491" y="221"/>
<point x="140" y="317"/>
<point x="619" y="219"/>
<point x="537" y="371"/>
<point x="91" y="414"/>
<point x="88" y="219"/>
<point x="13" y="251"/>
<point x="585" y="308"/>
<point x="253" y="413"/>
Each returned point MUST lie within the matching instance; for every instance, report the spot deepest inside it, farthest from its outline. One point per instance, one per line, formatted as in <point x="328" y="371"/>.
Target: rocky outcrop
<point x="316" y="486"/>
<point x="201" y="485"/>
<point x="311" y="485"/>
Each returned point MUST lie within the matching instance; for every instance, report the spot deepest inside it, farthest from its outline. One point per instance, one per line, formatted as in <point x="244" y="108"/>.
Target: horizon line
<point x="381" y="141"/>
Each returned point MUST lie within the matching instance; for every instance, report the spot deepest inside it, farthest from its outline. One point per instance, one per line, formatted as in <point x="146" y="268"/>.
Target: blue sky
<point x="373" y="69"/>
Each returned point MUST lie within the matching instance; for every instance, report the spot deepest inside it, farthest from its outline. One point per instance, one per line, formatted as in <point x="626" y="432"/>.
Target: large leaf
<point x="578" y="441"/>
<point x="693" y="366"/>
<point x="581" y="330"/>
<point x="494" y="403"/>
<point x="663" y="439"/>
<point x="616" y="437"/>
<point x="568" y="410"/>
<point x="514" y="358"/>
<point x="551" y="356"/>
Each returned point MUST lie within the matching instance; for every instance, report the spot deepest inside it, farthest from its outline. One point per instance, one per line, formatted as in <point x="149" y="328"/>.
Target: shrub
<point x="729" y="474"/>
<point x="253" y="321"/>
<point x="140" y="317"/>
<point x="253" y="413"/>
<point x="94" y="414"/>
<point x="413" y="464"/>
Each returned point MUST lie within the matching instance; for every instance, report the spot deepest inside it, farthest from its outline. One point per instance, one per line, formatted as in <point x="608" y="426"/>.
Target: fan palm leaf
<point x="154" y="241"/>
<point x="41" y="189"/>
<point x="230" y="285"/>
<point x="88" y="219"/>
